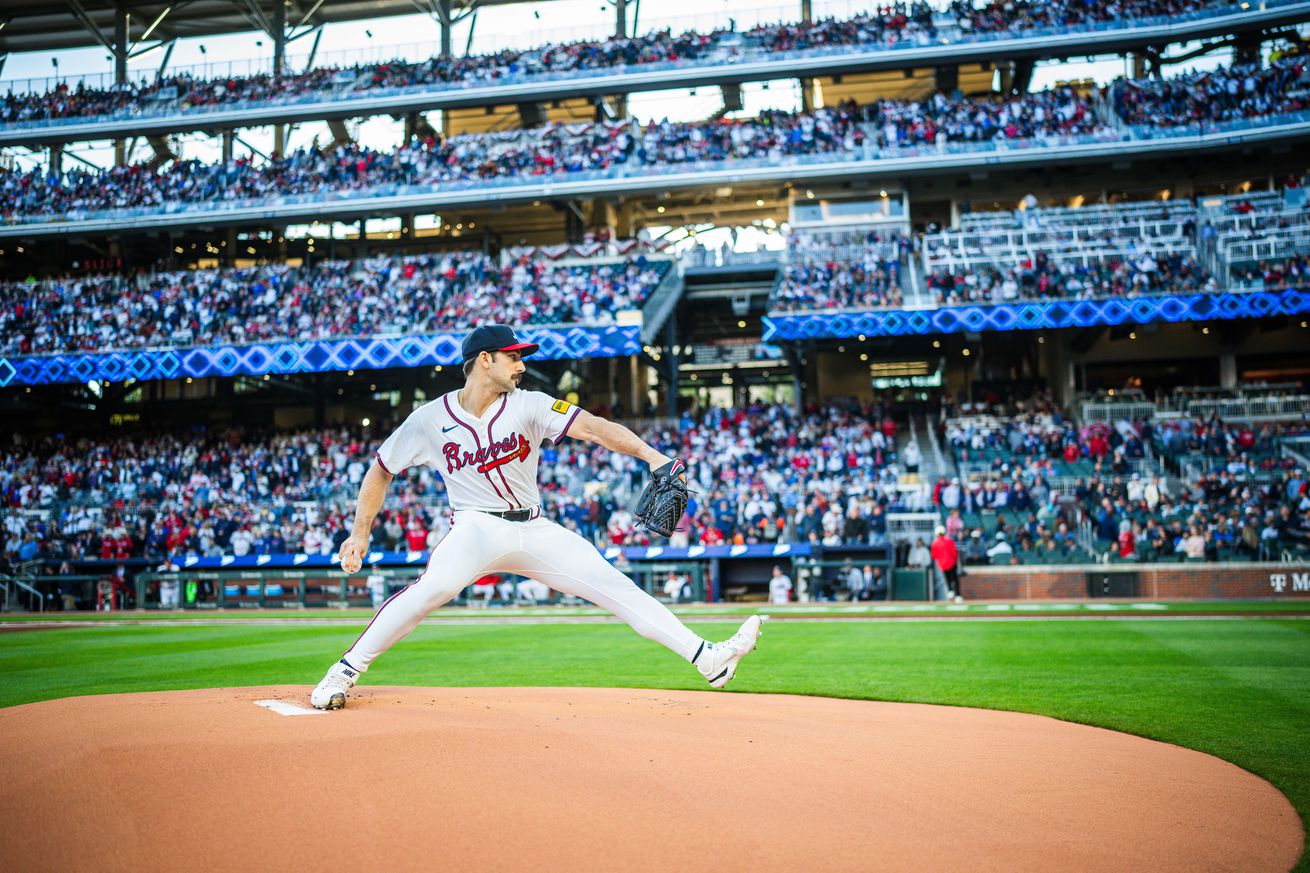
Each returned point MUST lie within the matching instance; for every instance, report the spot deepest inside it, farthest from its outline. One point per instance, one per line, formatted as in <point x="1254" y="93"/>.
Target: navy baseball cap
<point x="495" y="338"/>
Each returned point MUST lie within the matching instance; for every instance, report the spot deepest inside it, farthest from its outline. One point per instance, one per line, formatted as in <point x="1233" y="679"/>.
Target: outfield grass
<point x="894" y="608"/>
<point x="1238" y="689"/>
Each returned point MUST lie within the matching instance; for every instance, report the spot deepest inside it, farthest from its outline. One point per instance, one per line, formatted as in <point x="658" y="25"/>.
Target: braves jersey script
<point x="488" y="463"/>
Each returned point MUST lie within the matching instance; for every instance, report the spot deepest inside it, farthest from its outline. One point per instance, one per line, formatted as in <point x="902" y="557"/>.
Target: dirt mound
<point x="576" y="779"/>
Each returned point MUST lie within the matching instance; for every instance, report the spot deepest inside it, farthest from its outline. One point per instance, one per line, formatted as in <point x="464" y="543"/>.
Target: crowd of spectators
<point x="943" y="118"/>
<point x="550" y="150"/>
<point x="1225" y="94"/>
<point x="1034" y="487"/>
<point x="1038" y="277"/>
<point x="1034" y="479"/>
<point x="1008" y="15"/>
<point x="1292" y="271"/>
<point x="562" y="149"/>
<point x="862" y="271"/>
<point x="889" y="25"/>
<point x="328" y="299"/>
<point x="774" y="134"/>
<point x="185" y="91"/>
<point x="761" y="474"/>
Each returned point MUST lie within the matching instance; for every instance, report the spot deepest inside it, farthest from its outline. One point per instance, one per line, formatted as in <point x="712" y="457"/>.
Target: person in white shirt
<point x="485" y="440"/>
<point x="1001" y="552"/>
<point x="919" y="555"/>
<point x="912" y="457"/>
<point x="241" y="542"/>
<point x="674" y="584"/>
<point x="377" y="587"/>
<point x="779" y="587"/>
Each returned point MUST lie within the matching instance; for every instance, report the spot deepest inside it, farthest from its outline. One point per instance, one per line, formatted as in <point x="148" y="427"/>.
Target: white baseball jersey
<point x="488" y="463"/>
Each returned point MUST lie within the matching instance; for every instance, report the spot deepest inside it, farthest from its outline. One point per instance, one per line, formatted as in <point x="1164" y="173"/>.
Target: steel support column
<point x="120" y="51"/>
<point x="279" y="35"/>
<point x="807" y="85"/>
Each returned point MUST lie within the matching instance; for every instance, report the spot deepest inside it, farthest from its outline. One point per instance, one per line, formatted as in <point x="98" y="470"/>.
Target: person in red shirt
<point x="946" y="560"/>
<point x="122" y="544"/>
<point x="416" y="538"/>
<point x="1097" y="446"/>
<point x="485" y="588"/>
<point x="1070" y="452"/>
<point x="1127" y="540"/>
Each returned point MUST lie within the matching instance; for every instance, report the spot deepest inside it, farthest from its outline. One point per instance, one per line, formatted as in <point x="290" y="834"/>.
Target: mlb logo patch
<point x="560" y="406"/>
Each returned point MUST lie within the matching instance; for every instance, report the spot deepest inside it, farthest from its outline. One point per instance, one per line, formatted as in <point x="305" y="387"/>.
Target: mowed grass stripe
<point x="1236" y="689"/>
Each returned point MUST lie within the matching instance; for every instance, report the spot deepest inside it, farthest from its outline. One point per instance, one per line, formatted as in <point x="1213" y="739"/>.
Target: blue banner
<point x="1035" y="315"/>
<point x="420" y="559"/>
<point x="313" y="356"/>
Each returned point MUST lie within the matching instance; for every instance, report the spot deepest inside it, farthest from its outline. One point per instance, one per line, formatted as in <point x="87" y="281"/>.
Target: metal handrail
<point x="40" y="598"/>
<point x="660" y="304"/>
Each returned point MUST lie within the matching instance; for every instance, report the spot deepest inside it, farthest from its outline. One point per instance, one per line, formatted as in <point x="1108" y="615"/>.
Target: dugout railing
<point x="333" y="589"/>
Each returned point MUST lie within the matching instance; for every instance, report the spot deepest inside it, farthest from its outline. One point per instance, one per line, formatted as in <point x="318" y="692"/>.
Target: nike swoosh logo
<point x="449" y="429"/>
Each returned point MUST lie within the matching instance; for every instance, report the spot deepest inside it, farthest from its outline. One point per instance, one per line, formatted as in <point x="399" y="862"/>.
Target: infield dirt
<point x="602" y="779"/>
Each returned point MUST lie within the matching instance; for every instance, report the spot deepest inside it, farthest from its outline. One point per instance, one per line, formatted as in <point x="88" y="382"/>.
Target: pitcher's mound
<point x="589" y="779"/>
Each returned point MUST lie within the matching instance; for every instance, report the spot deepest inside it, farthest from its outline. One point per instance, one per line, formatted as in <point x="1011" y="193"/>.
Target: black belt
<point x="512" y="514"/>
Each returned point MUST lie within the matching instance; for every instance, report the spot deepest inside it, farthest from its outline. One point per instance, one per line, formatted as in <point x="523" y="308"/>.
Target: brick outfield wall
<point x="1154" y="581"/>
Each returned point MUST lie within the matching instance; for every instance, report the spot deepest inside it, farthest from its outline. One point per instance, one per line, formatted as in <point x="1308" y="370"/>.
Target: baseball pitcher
<point x="485" y="442"/>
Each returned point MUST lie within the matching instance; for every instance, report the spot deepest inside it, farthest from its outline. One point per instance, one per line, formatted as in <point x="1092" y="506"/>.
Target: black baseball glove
<point x="664" y="499"/>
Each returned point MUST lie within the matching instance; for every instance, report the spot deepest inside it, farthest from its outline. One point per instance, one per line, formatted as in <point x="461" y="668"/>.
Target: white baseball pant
<point x="479" y="544"/>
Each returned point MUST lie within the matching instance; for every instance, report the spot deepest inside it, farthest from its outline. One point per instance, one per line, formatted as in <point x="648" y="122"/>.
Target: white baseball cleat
<point x="718" y="663"/>
<point x="331" y="692"/>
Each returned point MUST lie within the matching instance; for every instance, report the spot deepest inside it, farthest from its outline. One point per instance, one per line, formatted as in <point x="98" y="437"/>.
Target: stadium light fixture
<point x="937" y="344"/>
<point x="365" y="422"/>
<point x="151" y="29"/>
<point x="966" y="353"/>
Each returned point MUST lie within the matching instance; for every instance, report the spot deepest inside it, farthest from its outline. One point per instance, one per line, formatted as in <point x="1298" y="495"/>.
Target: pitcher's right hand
<point x="352" y="553"/>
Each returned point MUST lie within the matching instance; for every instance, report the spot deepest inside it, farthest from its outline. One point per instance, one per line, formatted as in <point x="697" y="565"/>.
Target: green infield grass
<point x="1238" y="688"/>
